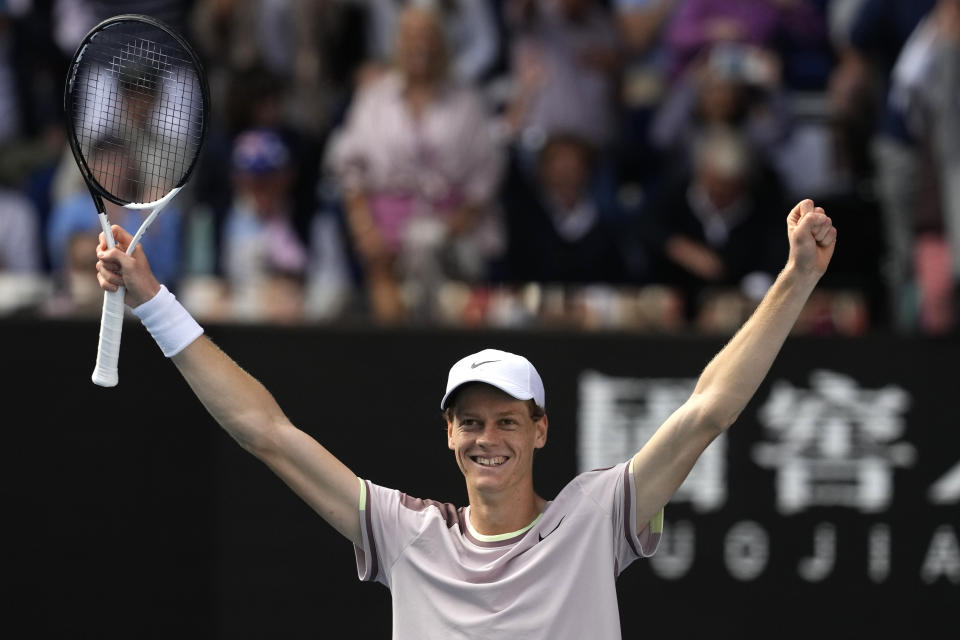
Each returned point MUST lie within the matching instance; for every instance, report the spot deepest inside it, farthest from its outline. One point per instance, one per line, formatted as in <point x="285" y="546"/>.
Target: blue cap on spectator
<point x="260" y="151"/>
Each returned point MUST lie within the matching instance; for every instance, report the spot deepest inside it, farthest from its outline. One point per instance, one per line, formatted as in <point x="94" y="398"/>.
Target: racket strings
<point x="138" y="111"/>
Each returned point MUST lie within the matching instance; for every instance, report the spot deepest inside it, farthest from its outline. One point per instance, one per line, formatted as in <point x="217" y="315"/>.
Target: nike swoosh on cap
<point x="477" y="364"/>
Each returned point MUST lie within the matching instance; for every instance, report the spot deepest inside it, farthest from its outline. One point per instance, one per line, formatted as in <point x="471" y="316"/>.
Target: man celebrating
<point x="511" y="564"/>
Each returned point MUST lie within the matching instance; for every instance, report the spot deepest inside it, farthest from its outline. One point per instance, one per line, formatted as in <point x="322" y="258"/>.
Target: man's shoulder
<point x="451" y="514"/>
<point x="601" y="472"/>
<point x="593" y="484"/>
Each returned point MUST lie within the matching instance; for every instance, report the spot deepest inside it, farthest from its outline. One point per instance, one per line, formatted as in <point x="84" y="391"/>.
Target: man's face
<point x="493" y="438"/>
<point x="267" y="191"/>
<point x="723" y="190"/>
<point x="564" y="173"/>
<point x="420" y="46"/>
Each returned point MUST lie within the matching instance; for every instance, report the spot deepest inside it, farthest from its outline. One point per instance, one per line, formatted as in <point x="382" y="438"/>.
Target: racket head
<point x="136" y="102"/>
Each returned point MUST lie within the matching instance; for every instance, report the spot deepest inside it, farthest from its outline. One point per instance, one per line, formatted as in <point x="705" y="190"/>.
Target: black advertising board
<point x="830" y="507"/>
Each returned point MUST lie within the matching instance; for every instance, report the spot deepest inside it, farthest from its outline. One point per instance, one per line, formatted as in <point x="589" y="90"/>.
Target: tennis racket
<point x="137" y="103"/>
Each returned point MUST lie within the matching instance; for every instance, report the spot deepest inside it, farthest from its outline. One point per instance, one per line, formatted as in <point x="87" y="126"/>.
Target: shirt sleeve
<point x="643" y="544"/>
<point x="612" y="490"/>
<point x="387" y="527"/>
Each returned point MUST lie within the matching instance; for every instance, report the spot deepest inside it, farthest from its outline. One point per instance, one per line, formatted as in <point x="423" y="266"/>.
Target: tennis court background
<point x="128" y="513"/>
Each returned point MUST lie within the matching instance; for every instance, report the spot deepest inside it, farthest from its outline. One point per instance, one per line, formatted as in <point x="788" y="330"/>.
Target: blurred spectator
<point x="272" y="64"/>
<point x="127" y="173"/>
<point x="19" y="234"/>
<point x="926" y="90"/>
<point x="330" y="281"/>
<point x="878" y="32"/>
<point x="76" y="214"/>
<point x="735" y="86"/>
<point x="35" y="64"/>
<point x="287" y="39"/>
<point x="75" y="292"/>
<point x="469" y="26"/>
<point x="23" y="283"/>
<point x="74" y="227"/>
<point x="698" y="25"/>
<point x="558" y="230"/>
<point x="418" y="167"/>
<point x="32" y="69"/>
<point x="261" y="251"/>
<point x="641" y="24"/>
<point x="9" y="109"/>
<point x="272" y="273"/>
<point x="565" y="58"/>
<point x="255" y="99"/>
<point x="721" y="228"/>
<point x="851" y="101"/>
<point x="22" y="158"/>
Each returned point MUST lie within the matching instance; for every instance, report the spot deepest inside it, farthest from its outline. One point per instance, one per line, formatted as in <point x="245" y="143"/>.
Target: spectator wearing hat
<point x="74" y="225"/>
<point x="262" y="254"/>
<point x="273" y="272"/>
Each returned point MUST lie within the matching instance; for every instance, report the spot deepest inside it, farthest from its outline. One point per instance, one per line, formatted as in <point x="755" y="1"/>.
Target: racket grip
<point x="108" y="352"/>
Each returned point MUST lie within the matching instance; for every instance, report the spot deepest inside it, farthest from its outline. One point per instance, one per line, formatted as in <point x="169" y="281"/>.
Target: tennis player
<point x="511" y="564"/>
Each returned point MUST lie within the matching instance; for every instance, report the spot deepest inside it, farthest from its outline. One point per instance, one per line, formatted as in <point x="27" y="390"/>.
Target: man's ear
<point x="541" y="426"/>
<point x="450" y="434"/>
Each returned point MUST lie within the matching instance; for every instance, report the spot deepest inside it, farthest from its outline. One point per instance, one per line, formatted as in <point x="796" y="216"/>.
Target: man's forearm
<point x="735" y="373"/>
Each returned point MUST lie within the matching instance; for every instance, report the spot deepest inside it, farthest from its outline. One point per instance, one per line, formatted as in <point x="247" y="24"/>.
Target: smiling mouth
<point x="494" y="461"/>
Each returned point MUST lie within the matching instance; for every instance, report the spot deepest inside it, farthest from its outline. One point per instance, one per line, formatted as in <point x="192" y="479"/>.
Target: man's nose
<point x="489" y="435"/>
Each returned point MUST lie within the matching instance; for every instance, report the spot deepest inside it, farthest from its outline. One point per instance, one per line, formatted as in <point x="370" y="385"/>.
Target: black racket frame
<point x="96" y="189"/>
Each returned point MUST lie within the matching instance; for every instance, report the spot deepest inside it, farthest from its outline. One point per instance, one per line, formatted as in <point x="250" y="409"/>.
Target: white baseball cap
<point x="508" y="372"/>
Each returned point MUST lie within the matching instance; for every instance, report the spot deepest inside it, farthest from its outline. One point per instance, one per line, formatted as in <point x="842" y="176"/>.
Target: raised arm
<point x="243" y="406"/>
<point x="735" y="373"/>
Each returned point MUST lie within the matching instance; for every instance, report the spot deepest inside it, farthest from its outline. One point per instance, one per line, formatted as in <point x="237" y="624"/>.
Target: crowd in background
<point x="514" y="163"/>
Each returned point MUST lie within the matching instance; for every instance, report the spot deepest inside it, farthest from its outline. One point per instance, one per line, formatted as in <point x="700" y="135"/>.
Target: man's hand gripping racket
<point x="125" y="273"/>
<point x="137" y="104"/>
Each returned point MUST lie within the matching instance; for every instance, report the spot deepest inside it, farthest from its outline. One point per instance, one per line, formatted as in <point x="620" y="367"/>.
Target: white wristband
<point x="168" y="322"/>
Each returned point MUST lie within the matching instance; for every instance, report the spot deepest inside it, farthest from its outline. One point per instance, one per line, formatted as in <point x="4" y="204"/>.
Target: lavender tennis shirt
<point x="553" y="579"/>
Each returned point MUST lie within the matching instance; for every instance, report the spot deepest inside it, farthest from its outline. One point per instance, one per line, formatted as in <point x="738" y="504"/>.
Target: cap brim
<point x="511" y="390"/>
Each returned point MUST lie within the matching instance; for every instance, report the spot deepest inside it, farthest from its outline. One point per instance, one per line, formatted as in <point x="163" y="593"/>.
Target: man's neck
<point x="505" y="512"/>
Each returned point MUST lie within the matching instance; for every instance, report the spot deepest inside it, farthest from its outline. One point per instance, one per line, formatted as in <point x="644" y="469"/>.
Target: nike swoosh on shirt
<point x="477" y="364"/>
<point x="541" y="536"/>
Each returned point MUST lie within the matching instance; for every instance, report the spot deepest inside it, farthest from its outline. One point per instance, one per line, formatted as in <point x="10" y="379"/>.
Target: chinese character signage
<point x="832" y="448"/>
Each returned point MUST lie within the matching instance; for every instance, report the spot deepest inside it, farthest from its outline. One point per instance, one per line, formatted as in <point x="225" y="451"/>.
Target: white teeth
<point x="491" y="462"/>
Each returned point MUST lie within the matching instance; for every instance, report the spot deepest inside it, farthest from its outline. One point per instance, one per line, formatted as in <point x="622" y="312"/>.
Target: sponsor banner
<point x="832" y="506"/>
<point x="830" y="448"/>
